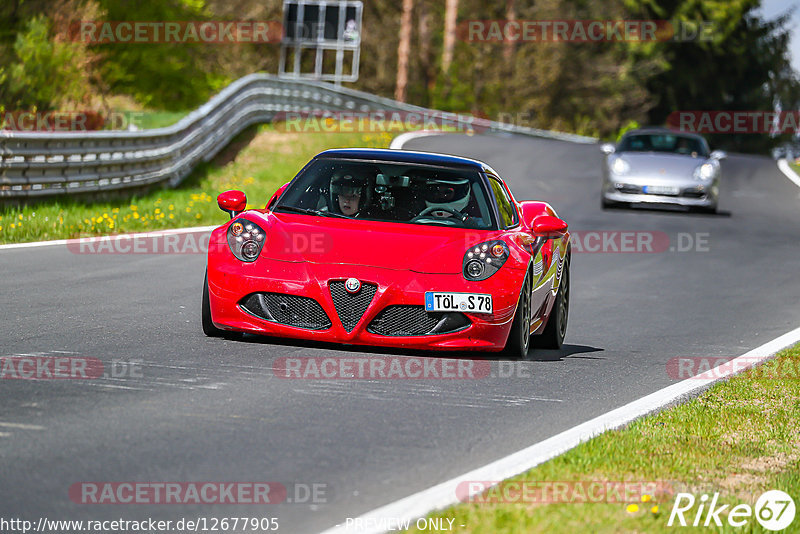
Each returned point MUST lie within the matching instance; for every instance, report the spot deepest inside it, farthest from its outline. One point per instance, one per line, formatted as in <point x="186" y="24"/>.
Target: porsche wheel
<point x="519" y="339"/>
<point x="556" y="329"/>
<point x="208" y="326"/>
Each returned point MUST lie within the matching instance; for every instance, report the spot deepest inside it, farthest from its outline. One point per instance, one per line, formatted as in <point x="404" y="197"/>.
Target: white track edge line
<point x="444" y="494"/>
<point x="398" y="142"/>
<point x="95" y="239"/>
<point x="784" y="167"/>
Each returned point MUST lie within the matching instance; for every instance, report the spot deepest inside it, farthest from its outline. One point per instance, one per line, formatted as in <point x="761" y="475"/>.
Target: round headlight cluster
<point x="484" y="259"/>
<point x="705" y="171"/>
<point x="620" y="166"/>
<point x="474" y="268"/>
<point x="245" y="239"/>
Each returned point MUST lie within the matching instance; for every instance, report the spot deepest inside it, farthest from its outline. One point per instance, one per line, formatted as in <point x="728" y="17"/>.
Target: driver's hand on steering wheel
<point x="441" y="213"/>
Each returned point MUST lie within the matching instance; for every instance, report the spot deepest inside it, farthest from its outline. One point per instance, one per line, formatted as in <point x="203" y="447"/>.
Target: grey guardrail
<point x="54" y="163"/>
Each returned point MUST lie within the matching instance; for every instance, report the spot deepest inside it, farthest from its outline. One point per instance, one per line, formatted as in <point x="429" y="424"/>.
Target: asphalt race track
<point x="187" y="408"/>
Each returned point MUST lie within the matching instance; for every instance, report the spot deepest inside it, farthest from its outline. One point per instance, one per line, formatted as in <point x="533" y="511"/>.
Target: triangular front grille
<point x="351" y="307"/>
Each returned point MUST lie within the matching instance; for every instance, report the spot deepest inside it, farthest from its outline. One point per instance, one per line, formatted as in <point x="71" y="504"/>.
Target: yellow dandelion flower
<point x="12" y="226"/>
<point x="133" y="208"/>
<point x="654" y="509"/>
<point x="632" y="508"/>
<point x="172" y="206"/>
<point x="188" y="210"/>
<point x="645" y="498"/>
<point x="158" y="210"/>
<point x="135" y="215"/>
<point x="20" y="216"/>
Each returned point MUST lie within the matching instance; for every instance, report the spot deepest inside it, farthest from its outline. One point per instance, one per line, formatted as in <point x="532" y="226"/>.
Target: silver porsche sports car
<point x="657" y="165"/>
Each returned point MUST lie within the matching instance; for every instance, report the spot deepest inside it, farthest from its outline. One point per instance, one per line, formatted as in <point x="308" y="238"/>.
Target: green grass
<point x="739" y="438"/>
<point x="154" y="119"/>
<point x="269" y="159"/>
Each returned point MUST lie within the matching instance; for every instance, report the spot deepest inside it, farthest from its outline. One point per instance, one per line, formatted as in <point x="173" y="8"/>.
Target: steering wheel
<point x="427" y="211"/>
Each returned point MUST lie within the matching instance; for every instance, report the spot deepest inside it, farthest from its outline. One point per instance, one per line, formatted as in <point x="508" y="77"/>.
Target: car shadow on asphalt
<point x="566" y="351"/>
<point x="534" y="354"/>
<point x="666" y="210"/>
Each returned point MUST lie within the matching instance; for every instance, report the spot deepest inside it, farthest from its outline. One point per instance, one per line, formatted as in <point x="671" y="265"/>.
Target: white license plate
<point x="661" y="190"/>
<point x="462" y="302"/>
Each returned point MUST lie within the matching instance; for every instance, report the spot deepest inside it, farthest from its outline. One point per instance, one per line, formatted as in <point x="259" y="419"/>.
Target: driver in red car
<point x="349" y="193"/>
<point x="446" y="197"/>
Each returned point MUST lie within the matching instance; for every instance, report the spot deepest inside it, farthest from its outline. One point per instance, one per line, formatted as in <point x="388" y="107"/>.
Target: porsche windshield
<point x="391" y="192"/>
<point x="675" y="144"/>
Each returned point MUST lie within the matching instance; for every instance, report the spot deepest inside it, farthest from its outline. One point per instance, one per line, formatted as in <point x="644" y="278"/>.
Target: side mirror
<point x="718" y="154"/>
<point x="549" y="227"/>
<point x="275" y="197"/>
<point x="233" y="202"/>
<point x="607" y="149"/>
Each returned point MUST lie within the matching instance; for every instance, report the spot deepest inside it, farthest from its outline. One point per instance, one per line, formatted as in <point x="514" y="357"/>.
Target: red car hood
<point x="415" y="247"/>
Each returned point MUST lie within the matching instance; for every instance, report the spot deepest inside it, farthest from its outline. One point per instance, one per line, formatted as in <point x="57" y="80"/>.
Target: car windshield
<point x="392" y="192"/>
<point x="671" y="143"/>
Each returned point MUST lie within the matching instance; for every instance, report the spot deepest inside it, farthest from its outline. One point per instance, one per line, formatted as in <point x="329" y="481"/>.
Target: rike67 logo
<point x="774" y="510"/>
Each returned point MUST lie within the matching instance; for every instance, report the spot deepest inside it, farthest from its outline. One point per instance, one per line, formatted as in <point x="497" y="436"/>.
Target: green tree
<point x="46" y="74"/>
<point x="742" y="63"/>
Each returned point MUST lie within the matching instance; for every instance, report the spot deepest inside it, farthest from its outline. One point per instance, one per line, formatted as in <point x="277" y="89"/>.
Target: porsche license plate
<point x="462" y="302"/>
<point x="661" y="190"/>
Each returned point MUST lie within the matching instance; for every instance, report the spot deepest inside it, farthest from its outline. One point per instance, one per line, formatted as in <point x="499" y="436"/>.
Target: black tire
<point x="519" y="338"/>
<point x="208" y="326"/>
<point x="709" y="210"/>
<point x="612" y="204"/>
<point x="556" y="329"/>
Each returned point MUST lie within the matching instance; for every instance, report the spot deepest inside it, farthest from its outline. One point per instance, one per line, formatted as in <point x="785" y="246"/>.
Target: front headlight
<point x="484" y="259"/>
<point x="620" y="166"/>
<point x="706" y="171"/>
<point x="245" y="239"/>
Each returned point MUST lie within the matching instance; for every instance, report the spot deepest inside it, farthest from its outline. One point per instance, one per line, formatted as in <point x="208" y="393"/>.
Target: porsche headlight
<point x="706" y="171"/>
<point x="620" y="166"/>
<point x="245" y="239"/>
<point x="484" y="259"/>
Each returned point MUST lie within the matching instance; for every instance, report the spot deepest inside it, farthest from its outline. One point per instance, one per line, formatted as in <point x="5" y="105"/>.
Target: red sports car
<point x="391" y="248"/>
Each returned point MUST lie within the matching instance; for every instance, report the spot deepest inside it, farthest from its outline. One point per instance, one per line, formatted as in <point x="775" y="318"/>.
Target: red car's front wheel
<point x="556" y="329"/>
<point x="208" y="325"/>
<point x="520" y="335"/>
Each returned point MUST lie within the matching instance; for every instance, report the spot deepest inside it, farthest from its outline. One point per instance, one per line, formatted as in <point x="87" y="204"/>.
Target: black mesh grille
<point x="351" y="307"/>
<point x="291" y="310"/>
<point x="628" y="188"/>
<point x="689" y="193"/>
<point x="415" y="321"/>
